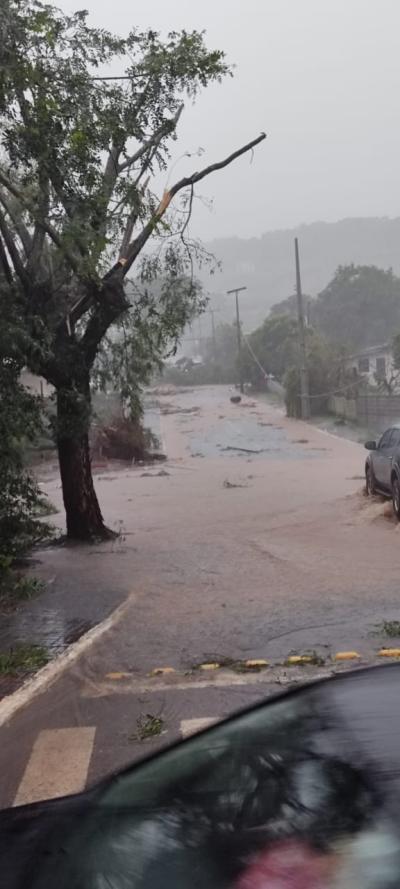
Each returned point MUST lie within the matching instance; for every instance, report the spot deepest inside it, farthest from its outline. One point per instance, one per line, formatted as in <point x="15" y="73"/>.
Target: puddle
<point x="243" y="436"/>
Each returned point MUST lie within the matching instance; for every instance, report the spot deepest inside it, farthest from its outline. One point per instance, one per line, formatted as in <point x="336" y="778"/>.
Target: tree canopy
<point x="359" y="307"/>
<point x="275" y="343"/>
<point x="20" y="421"/>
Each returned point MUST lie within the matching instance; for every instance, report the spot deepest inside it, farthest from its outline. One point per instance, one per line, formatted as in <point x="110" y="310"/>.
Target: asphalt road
<point x="254" y="541"/>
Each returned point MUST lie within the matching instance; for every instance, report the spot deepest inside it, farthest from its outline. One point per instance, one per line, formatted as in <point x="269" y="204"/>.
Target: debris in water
<point x="236" y="399"/>
<point x="243" y="450"/>
<point x="228" y="484"/>
<point x="162" y="472"/>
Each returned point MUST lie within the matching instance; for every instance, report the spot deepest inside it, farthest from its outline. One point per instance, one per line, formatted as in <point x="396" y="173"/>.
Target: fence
<point x="373" y="412"/>
<point x="378" y="411"/>
<point x="343" y="407"/>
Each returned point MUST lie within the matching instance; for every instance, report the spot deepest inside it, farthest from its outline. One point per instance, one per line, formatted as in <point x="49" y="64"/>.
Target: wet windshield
<point x="199" y="372"/>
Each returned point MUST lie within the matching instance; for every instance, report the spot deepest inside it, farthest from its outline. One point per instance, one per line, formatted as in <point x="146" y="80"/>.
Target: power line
<point x="336" y="391"/>
<point x="111" y="77"/>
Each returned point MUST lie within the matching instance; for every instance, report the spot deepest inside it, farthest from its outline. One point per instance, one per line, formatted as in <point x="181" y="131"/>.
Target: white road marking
<point x="58" y="764"/>
<point x="192" y="726"/>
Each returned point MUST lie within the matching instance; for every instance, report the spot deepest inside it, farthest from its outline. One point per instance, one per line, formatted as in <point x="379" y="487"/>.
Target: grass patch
<point x="389" y="628"/>
<point x="147" y="726"/>
<point x="23" y="659"/>
<point x="15" y="588"/>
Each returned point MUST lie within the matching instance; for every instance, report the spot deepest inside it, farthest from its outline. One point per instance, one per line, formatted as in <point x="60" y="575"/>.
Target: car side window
<point x="395" y="439"/>
<point x="386" y="438"/>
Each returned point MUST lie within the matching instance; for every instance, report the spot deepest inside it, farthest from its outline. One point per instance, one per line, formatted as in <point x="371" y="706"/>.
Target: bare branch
<point x="39" y="233"/>
<point x="110" y="177"/>
<point x="167" y="127"/>
<point x="5" y="263"/>
<point x="196" y="177"/>
<point x="12" y="251"/>
<point x="18" y="224"/>
<point x="125" y="262"/>
<point x="4" y="180"/>
<point x="132" y="219"/>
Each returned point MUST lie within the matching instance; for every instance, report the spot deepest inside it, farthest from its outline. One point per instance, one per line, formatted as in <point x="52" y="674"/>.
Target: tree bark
<point x="83" y="514"/>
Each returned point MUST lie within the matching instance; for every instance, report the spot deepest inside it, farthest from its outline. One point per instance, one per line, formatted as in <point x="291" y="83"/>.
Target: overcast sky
<point x="321" y="77"/>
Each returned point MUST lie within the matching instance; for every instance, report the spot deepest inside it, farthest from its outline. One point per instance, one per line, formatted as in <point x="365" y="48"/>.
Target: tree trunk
<point x="83" y="514"/>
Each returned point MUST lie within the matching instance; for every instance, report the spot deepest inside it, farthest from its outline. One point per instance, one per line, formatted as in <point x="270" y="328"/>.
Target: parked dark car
<point x="382" y="467"/>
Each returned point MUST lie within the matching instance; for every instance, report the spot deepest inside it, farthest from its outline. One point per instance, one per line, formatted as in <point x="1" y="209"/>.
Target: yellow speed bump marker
<point x="300" y="659"/>
<point x="162" y="671"/>
<point x="209" y="666"/>
<point x="257" y="662"/>
<point x="346" y="656"/>
<point x="389" y="652"/>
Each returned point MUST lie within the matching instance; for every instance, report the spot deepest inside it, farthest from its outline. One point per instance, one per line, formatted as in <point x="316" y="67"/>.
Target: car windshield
<point x="199" y="375"/>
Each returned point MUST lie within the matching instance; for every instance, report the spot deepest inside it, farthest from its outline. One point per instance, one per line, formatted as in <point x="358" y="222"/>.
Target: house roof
<point x="371" y="350"/>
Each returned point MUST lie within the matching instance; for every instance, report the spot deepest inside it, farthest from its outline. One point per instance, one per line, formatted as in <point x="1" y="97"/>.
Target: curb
<point x="44" y="678"/>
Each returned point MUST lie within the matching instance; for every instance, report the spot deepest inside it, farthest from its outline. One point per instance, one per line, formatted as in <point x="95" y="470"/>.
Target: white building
<point x="374" y="363"/>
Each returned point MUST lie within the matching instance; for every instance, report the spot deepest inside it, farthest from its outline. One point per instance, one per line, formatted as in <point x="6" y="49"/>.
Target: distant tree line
<point x="360" y="307"/>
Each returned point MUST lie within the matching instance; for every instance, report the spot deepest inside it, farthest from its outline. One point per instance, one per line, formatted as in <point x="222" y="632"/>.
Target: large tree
<point x="77" y="208"/>
<point x="275" y="343"/>
<point x="359" y="307"/>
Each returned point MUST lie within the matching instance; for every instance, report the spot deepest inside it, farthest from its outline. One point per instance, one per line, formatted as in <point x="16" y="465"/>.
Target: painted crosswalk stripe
<point x="58" y="764"/>
<point x="191" y="726"/>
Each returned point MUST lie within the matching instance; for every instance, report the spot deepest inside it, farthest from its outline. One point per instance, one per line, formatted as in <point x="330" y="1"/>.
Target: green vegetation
<point x="359" y="307"/>
<point x="390" y="628"/>
<point x="23" y="659"/>
<point x="21" y="502"/>
<point x="77" y="209"/>
<point x="16" y="588"/>
<point x="148" y="726"/>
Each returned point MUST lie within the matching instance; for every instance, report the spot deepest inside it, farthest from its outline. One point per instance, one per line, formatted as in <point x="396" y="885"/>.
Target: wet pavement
<point x="253" y="541"/>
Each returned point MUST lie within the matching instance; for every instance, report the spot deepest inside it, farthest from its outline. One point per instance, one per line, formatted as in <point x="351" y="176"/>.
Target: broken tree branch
<point x="125" y="262"/>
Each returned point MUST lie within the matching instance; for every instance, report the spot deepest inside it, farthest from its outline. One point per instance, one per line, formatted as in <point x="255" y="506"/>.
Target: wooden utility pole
<point x="304" y="383"/>
<point x="236" y="291"/>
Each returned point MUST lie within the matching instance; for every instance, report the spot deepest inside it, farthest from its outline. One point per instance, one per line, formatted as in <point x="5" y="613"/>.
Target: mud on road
<point x="255" y="543"/>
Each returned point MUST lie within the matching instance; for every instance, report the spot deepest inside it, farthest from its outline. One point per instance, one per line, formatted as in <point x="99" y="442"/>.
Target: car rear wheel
<point x="396" y="496"/>
<point x="370" y="481"/>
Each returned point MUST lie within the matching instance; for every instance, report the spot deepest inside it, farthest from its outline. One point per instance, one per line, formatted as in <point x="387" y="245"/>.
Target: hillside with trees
<point x="266" y="264"/>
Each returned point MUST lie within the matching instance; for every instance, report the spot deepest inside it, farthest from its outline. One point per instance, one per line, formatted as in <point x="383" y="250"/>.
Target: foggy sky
<point x="321" y="77"/>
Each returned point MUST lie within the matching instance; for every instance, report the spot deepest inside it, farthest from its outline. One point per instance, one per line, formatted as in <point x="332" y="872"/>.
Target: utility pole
<point x="304" y="385"/>
<point x="236" y="291"/>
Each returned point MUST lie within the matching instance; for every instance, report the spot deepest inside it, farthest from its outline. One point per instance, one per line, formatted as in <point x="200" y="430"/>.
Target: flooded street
<point x="253" y="541"/>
